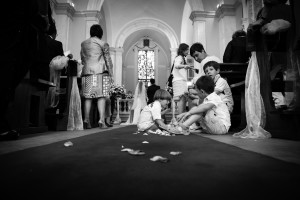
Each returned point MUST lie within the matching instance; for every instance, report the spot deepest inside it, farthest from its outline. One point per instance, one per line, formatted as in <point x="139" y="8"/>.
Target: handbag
<point x="169" y="82"/>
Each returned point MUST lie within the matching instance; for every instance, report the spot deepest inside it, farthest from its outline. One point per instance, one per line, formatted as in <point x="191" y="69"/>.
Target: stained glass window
<point x="145" y="65"/>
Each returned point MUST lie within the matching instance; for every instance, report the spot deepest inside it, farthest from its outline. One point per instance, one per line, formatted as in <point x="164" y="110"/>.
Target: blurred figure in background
<point x="235" y="51"/>
<point x="22" y="42"/>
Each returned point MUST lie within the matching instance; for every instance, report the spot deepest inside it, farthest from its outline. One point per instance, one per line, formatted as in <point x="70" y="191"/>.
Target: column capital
<point x="201" y="15"/>
<point x="225" y="10"/>
<point x="64" y="9"/>
<point x="93" y="15"/>
<point x="117" y="50"/>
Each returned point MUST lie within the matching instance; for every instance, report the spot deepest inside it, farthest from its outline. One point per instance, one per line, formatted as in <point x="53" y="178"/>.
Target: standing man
<point x="151" y="90"/>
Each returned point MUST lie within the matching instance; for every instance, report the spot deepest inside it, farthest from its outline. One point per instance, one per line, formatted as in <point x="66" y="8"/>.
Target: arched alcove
<point x="146" y="23"/>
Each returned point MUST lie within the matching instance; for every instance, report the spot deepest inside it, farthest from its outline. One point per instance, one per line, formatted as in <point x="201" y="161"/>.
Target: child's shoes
<point x="181" y="130"/>
<point x="194" y="128"/>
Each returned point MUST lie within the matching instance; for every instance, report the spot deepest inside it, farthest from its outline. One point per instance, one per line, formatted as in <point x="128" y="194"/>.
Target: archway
<point x="146" y="23"/>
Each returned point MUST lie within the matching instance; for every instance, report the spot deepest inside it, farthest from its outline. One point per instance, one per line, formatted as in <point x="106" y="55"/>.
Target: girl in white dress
<point x="139" y="102"/>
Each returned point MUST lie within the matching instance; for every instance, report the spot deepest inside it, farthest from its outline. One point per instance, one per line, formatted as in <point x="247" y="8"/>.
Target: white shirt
<point x="150" y="113"/>
<point x="222" y="86"/>
<point x="201" y="65"/>
<point x="220" y="109"/>
<point x="179" y="74"/>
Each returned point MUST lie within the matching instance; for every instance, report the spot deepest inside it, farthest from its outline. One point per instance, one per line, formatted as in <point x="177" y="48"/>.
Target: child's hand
<point x="186" y="93"/>
<point x="183" y="116"/>
<point x="180" y="116"/>
<point x="165" y="111"/>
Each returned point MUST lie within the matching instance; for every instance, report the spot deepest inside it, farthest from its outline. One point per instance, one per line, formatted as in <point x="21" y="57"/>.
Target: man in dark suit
<point x="40" y="69"/>
<point x="151" y="90"/>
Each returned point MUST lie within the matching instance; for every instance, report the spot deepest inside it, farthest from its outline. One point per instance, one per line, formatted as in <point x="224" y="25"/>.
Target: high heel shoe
<point x="107" y="124"/>
<point x="86" y="125"/>
<point x="102" y="125"/>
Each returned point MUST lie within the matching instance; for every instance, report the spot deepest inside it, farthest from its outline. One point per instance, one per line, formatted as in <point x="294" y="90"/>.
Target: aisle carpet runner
<point x="96" y="168"/>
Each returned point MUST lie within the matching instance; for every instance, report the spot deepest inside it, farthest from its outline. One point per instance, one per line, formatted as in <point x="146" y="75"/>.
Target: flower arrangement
<point x="129" y="95"/>
<point x="117" y="90"/>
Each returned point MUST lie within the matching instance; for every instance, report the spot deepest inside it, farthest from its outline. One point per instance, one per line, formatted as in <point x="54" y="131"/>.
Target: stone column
<point x="63" y="16"/>
<point x="173" y="55"/>
<point x="227" y="24"/>
<point x="245" y="19"/>
<point x="118" y="66"/>
<point x="199" y="26"/>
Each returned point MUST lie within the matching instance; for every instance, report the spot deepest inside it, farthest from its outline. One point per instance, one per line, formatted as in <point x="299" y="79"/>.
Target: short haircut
<point x="96" y="30"/>
<point x="213" y="64"/>
<point x="182" y="47"/>
<point x="152" y="80"/>
<point x="196" y="47"/>
<point x="239" y="33"/>
<point x="162" y="95"/>
<point x="205" y="83"/>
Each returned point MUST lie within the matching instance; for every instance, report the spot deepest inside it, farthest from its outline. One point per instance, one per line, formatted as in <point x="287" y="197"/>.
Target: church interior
<point x="50" y="159"/>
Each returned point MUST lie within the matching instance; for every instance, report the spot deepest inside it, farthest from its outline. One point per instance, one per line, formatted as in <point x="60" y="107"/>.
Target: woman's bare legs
<point x="101" y="110"/>
<point x="87" y="108"/>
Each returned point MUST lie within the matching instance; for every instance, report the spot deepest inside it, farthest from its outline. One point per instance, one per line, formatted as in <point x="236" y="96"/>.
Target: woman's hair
<point x="96" y="31"/>
<point x="213" y="64"/>
<point x="162" y="94"/>
<point x="196" y="47"/>
<point x="205" y="83"/>
<point x="182" y="48"/>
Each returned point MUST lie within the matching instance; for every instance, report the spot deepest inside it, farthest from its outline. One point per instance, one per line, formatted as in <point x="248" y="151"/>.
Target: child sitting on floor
<point x="150" y="117"/>
<point x="212" y="114"/>
<point x="222" y="88"/>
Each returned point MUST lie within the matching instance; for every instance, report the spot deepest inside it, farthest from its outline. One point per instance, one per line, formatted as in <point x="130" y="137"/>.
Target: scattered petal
<point x="150" y="131"/>
<point x="136" y="152"/>
<point x="145" y="134"/>
<point x="122" y="146"/>
<point x="175" y="153"/>
<point x="127" y="149"/>
<point x="145" y="142"/>
<point x="159" y="159"/>
<point x="68" y="144"/>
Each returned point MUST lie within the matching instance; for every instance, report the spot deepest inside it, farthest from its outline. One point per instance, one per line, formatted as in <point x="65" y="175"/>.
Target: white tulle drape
<point x="255" y="111"/>
<point x="75" y="116"/>
<point x="56" y="65"/>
